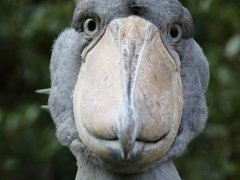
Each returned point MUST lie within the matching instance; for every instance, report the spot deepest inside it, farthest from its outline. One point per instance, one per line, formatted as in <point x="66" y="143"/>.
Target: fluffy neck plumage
<point x="88" y="171"/>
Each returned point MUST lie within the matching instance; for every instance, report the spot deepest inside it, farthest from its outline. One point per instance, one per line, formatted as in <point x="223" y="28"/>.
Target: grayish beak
<point x="128" y="96"/>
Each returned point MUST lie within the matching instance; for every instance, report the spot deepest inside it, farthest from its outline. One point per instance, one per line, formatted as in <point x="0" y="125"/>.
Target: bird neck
<point x="87" y="171"/>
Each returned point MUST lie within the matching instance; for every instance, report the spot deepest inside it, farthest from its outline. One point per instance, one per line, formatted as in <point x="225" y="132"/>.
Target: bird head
<point x="128" y="83"/>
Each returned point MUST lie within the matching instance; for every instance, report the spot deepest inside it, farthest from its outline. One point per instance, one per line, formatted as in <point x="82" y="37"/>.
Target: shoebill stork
<point x="128" y="85"/>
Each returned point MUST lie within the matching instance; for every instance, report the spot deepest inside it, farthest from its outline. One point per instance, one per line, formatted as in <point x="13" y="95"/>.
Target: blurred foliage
<point x="216" y="153"/>
<point x="28" y="146"/>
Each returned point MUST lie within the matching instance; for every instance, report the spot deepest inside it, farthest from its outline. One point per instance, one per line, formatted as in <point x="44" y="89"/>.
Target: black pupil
<point x="92" y="25"/>
<point x="174" y="32"/>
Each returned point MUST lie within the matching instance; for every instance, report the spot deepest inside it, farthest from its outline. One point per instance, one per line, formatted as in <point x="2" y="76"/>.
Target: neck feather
<point x="88" y="171"/>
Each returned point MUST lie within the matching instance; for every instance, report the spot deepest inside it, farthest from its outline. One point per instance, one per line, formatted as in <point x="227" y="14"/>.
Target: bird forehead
<point x="158" y="11"/>
<point x="112" y="3"/>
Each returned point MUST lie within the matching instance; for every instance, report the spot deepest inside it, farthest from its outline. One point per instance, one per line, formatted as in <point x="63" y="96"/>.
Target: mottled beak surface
<point x="128" y="96"/>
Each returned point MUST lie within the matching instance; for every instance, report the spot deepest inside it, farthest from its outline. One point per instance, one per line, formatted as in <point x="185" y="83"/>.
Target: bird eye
<point x="175" y="33"/>
<point x="90" y="27"/>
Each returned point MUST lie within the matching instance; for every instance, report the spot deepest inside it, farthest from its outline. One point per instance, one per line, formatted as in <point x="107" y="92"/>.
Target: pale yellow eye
<point x="90" y="27"/>
<point x="175" y="33"/>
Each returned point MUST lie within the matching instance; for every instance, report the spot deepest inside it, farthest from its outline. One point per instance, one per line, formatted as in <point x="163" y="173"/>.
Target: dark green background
<point x="28" y="147"/>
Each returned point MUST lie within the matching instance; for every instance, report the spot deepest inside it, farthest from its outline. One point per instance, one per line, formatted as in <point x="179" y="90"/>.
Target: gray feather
<point x="43" y="91"/>
<point x="45" y="107"/>
<point x="66" y="63"/>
